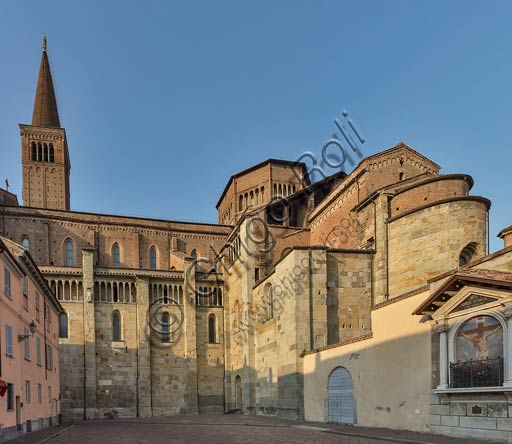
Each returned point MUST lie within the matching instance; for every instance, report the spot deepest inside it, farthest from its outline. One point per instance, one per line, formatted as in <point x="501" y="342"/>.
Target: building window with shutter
<point x="38" y="350"/>
<point x="7" y="282"/>
<point x="8" y="340"/>
<point x="26" y="343"/>
<point x="27" y="392"/>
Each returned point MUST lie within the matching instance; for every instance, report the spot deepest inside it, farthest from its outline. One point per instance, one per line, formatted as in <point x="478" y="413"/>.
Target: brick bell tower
<point x="44" y="148"/>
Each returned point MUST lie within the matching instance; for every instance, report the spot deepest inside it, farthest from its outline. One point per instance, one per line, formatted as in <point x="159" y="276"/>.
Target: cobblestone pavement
<point x="224" y="429"/>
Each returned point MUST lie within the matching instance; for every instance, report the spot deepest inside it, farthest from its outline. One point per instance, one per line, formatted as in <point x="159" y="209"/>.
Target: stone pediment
<point x="473" y="300"/>
<point x="467" y="289"/>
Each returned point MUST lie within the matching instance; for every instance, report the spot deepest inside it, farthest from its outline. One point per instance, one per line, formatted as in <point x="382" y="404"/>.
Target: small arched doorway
<point x="340" y="397"/>
<point x="238" y="392"/>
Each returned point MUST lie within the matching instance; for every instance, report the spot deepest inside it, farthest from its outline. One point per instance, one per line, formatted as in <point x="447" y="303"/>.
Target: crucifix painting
<point x="479" y="338"/>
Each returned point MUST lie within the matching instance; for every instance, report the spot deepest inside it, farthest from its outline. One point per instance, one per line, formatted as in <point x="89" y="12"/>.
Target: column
<point x="143" y="350"/>
<point x="508" y="352"/>
<point x="443" y="360"/>
<point x="90" y="395"/>
<point x="189" y="333"/>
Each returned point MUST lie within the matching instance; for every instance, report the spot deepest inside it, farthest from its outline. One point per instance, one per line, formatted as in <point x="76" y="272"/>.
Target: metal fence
<point x="483" y="373"/>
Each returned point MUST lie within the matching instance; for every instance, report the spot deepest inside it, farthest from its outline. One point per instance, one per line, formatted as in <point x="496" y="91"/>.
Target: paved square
<point x="224" y="429"/>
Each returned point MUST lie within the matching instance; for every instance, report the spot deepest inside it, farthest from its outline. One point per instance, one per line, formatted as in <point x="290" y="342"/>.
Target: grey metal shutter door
<point x="341" y="397"/>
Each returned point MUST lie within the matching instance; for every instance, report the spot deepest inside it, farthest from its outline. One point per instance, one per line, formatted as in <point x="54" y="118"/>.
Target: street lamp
<point x="32" y="327"/>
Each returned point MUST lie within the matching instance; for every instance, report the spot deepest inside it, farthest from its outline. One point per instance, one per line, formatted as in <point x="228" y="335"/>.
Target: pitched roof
<point x="482" y="276"/>
<point x="20" y="256"/>
<point x="45" y="105"/>
<point x="505" y="231"/>
<point x="287" y="163"/>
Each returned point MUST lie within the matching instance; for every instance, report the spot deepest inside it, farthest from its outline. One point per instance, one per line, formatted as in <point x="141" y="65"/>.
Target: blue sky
<point x="163" y="101"/>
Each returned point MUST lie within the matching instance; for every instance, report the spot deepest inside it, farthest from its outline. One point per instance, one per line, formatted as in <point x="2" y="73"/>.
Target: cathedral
<point x="296" y="304"/>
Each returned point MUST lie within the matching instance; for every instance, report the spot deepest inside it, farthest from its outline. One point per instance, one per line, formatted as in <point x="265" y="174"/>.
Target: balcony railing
<point x="483" y="373"/>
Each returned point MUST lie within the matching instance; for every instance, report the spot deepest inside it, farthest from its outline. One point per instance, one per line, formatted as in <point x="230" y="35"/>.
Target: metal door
<point x="340" y="397"/>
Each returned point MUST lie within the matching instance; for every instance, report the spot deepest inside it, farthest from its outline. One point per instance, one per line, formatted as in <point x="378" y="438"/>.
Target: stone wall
<point x="487" y="416"/>
<point x="210" y="361"/>
<point x="285" y="303"/>
<point x="48" y="231"/>
<point x="349" y="298"/>
<point x="390" y="370"/>
<point x="429" y="241"/>
<point x="432" y="189"/>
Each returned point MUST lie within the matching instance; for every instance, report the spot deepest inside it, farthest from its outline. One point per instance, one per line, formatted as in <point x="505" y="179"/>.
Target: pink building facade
<point x="29" y="338"/>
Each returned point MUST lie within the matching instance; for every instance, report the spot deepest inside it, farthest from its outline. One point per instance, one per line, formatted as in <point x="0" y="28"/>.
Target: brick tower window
<point x="116" y="255"/>
<point x="68" y="250"/>
<point x="52" y="153"/>
<point x="152" y="258"/>
<point x="34" y="151"/>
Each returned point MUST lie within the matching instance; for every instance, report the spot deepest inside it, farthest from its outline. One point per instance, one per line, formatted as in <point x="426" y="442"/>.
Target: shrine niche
<point x="478" y="339"/>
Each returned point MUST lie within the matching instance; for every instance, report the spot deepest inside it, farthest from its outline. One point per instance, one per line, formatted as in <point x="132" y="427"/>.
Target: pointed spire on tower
<point x="45" y="105"/>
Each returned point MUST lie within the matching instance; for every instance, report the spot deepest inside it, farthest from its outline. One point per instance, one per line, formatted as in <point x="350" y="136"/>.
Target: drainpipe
<point x="85" y="372"/>
<point x="3" y="217"/>
<point x="2" y="249"/>
<point x="388" y="215"/>
<point x="137" y="357"/>
<point x="45" y="343"/>
<point x="488" y="234"/>
<point x="311" y="329"/>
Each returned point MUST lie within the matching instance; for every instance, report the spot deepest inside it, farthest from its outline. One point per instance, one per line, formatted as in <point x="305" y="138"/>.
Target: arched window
<point x="52" y="154"/>
<point x="116" y="255"/>
<point x="401" y="176"/>
<point x="467" y="253"/>
<point x="262" y="191"/>
<point x="240" y="203"/>
<point x="39" y="152"/>
<point x="251" y="197"/>
<point x="26" y="243"/>
<point x="152" y="258"/>
<point x="193" y="254"/>
<point x="63" y="325"/>
<point x="68" y="250"/>
<point x="166" y="328"/>
<point x="212" y="333"/>
<point x="116" y="326"/>
<point x="45" y="152"/>
<point x="34" y="151"/>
